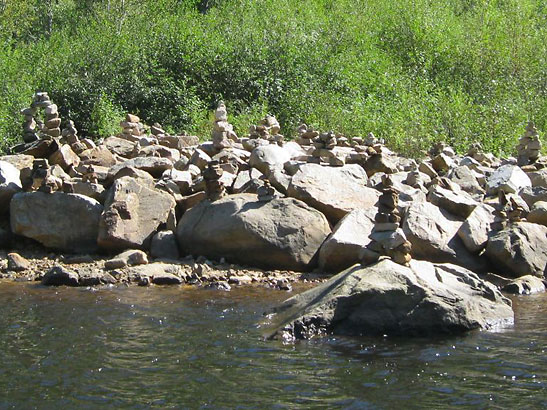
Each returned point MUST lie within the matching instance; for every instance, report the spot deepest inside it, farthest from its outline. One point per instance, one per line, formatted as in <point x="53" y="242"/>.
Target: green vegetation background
<point x="411" y="71"/>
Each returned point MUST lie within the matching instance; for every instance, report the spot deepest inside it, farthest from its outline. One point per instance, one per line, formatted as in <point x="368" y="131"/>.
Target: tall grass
<point x="410" y="71"/>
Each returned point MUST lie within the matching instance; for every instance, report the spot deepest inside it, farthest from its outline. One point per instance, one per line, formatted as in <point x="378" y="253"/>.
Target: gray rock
<point x="132" y="214"/>
<point x="538" y="178"/>
<point x="153" y="165"/>
<point x="525" y="285"/>
<point x="379" y="163"/>
<point x="266" y="158"/>
<point x="342" y="248"/>
<point x="120" y="146"/>
<point x="518" y="250"/>
<point x="157" y="273"/>
<point x="61" y="221"/>
<point x="279" y="234"/>
<point x="164" y="245"/>
<point x="466" y="179"/>
<point x="334" y="191"/>
<point x="10" y="184"/>
<point x="17" y="263"/>
<point x="130" y="257"/>
<point x="433" y="234"/>
<point x="531" y="195"/>
<point x="474" y="231"/>
<point x="388" y="298"/>
<point x="95" y="191"/>
<point x="59" y="276"/>
<point x="509" y="178"/>
<point x="538" y="213"/>
<point x="460" y="203"/>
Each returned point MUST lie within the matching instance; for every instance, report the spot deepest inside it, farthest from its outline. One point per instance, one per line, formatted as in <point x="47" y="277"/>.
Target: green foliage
<point x="410" y="71"/>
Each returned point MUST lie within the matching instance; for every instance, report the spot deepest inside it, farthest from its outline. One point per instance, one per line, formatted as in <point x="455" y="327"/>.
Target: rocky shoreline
<point x="154" y="208"/>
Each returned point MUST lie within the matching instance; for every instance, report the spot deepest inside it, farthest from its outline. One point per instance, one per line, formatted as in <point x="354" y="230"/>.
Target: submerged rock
<point x="388" y="298"/>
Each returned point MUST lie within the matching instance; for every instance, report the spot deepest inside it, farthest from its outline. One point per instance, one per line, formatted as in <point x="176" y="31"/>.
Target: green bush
<point x="412" y="72"/>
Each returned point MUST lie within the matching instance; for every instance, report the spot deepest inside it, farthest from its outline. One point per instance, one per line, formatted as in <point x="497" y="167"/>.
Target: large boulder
<point x="507" y="178"/>
<point x="518" y="250"/>
<point x="432" y="231"/>
<point x="474" y="231"/>
<point x="387" y="298"/>
<point x="279" y="234"/>
<point x="538" y="213"/>
<point x="334" y="191"/>
<point x="132" y="214"/>
<point x="62" y="221"/>
<point x="342" y="248"/>
<point x="10" y="184"/>
<point x="457" y="203"/>
<point x="266" y="158"/>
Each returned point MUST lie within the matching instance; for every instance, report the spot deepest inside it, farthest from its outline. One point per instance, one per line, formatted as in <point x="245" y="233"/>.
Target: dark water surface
<point x="191" y="348"/>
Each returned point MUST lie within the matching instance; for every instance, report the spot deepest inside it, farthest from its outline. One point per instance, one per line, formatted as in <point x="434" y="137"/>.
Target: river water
<point x="178" y="347"/>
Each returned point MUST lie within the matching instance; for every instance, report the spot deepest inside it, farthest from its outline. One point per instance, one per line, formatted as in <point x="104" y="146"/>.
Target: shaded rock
<point x="342" y="248"/>
<point x="243" y="178"/>
<point x="334" y="191"/>
<point x="95" y="191"/>
<point x="157" y="273"/>
<point x="99" y="155"/>
<point x="388" y="298"/>
<point x="95" y="278"/>
<point x="474" y="231"/>
<point x="525" y="285"/>
<point x="531" y="195"/>
<point x="62" y="221"/>
<point x="64" y="157"/>
<point x="164" y="245"/>
<point x="519" y="250"/>
<point x="200" y="159"/>
<point x="460" y="203"/>
<point x="59" y="276"/>
<point x="132" y="214"/>
<point x="466" y="179"/>
<point x="538" y="213"/>
<point x="10" y="184"/>
<point x="17" y="263"/>
<point x="509" y="178"/>
<point x="433" y="234"/>
<point x="281" y="234"/>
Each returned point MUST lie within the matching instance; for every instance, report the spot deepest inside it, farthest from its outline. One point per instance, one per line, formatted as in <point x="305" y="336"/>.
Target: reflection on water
<point x="185" y="347"/>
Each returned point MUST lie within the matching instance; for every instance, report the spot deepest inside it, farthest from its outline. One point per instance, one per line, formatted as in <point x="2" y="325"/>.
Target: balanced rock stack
<point x="324" y="145"/>
<point x="223" y="131"/>
<point x="132" y="128"/>
<point x="306" y="135"/>
<point x="42" y="179"/>
<point x="268" y="129"/>
<point x="70" y="133"/>
<point x="387" y="237"/>
<point x="51" y="128"/>
<point x="529" y="146"/>
<point x="266" y="192"/>
<point x="214" y="188"/>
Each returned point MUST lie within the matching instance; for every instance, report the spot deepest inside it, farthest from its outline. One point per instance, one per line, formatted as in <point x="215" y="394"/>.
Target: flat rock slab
<point x="387" y="298"/>
<point x="334" y="191"/>
<point x="61" y="221"/>
<point x="279" y="234"/>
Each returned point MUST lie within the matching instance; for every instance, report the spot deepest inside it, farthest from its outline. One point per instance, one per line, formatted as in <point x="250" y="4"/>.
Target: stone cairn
<point x="306" y="135"/>
<point x="42" y="179"/>
<point x="267" y="129"/>
<point x="223" y="131"/>
<point x="214" y="188"/>
<point x="529" y="146"/>
<point x="34" y="129"/>
<point x="387" y="237"/>
<point x="70" y="133"/>
<point x="132" y="128"/>
<point x="266" y="192"/>
<point x="506" y="212"/>
<point x="324" y="145"/>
